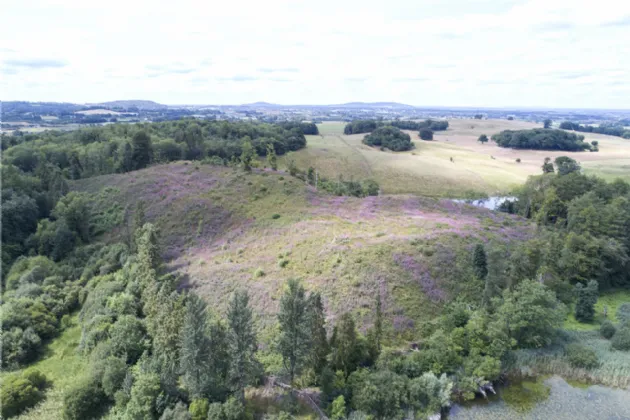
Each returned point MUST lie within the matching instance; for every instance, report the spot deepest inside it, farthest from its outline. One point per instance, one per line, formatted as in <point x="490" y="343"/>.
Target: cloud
<point x="278" y="70"/>
<point x="411" y="79"/>
<point x="35" y="63"/>
<point x="355" y="79"/>
<point x="158" y="70"/>
<point x="570" y="75"/>
<point x="279" y="79"/>
<point x="624" y="21"/>
<point x="239" y="78"/>
<point x="554" y="26"/>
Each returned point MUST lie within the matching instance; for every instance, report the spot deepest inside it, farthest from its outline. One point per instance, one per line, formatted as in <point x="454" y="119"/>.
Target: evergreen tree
<point x="148" y="253"/>
<point x="344" y="345"/>
<point x="547" y="123"/>
<point x="125" y="164"/>
<point x="272" y="160"/>
<point x="242" y="343"/>
<point x="142" y="151"/>
<point x="586" y="300"/>
<point x="195" y="353"/>
<point x="319" y="343"/>
<point x="480" y="265"/>
<point x="247" y="155"/>
<point x="139" y="217"/>
<point x="378" y="322"/>
<point x="294" y="328"/>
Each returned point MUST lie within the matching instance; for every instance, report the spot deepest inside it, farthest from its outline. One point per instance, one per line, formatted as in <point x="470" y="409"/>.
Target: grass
<point x="63" y="366"/>
<point x="609" y="300"/>
<point x="614" y="368"/>
<point x="427" y="170"/>
<point x="347" y="248"/>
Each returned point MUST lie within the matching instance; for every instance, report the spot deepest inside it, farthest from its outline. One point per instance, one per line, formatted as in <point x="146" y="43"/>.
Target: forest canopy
<point x="541" y="139"/>
<point x="390" y="138"/>
<point x="617" y="129"/>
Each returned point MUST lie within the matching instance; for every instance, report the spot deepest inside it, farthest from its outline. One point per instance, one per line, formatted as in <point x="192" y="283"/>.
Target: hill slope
<point x="223" y="229"/>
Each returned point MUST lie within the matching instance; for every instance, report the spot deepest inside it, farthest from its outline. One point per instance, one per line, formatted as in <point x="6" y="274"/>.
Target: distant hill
<point x="148" y="105"/>
<point x="375" y="105"/>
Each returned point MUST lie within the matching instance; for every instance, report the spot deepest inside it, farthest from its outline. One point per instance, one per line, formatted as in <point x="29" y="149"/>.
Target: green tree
<point x="142" y="152"/>
<point x="344" y="345"/>
<point x="530" y="314"/>
<point x="144" y="393"/>
<point x="338" y="408"/>
<point x="75" y="209"/>
<point x="426" y="134"/>
<point x="480" y="265"/>
<point x="483" y="139"/>
<point x="547" y="123"/>
<point x="586" y="300"/>
<point x="566" y="165"/>
<point x="126" y="163"/>
<point x="294" y="328"/>
<point x="623" y="313"/>
<point x="272" y="160"/>
<point x="199" y="409"/>
<point x="547" y="167"/>
<point x="247" y="155"/>
<point x="195" y="356"/>
<point x="242" y="343"/>
<point x="319" y="348"/>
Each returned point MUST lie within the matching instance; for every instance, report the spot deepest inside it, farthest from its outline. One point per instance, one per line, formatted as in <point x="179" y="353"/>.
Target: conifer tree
<point x="480" y="265"/>
<point x="586" y="300"/>
<point x="195" y="354"/>
<point x="294" y="328"/>
<point x="242" y="343"/>
<point x="319" y="343"/>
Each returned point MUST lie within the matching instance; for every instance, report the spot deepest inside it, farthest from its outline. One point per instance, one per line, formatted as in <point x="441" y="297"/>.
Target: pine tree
<point x="319" y="343"/>
<point x="272" y="160"/>
<point x="480" y="265"/>
<point x="148" y="254"/>
<point x="344" y="345"/>
<point x="586" y="300"/>
<point x="247" y="155"/>
<point x="195" y="353"/>
<point x="142" y="150"/>
<point x="242" y="343"/>
<point x="294" y="328"/>
<point x="125" y="164"/>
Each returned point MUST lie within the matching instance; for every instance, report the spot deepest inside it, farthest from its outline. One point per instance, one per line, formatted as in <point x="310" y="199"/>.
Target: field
<point x="223" y="229"/>
<point x="427" y="170"/>
<point x="98" y="112"/>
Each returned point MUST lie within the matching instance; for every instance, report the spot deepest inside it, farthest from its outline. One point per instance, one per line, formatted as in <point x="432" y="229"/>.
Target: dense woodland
<point x="388" y="137"/>
<point x="158" y="352"/>
<point x="541" y="139"/>
<point x="367" y="126"/>
<point x="618" y="130"/>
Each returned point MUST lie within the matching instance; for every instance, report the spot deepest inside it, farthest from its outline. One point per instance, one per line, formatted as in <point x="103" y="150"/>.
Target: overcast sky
<point x="550" y="53"/>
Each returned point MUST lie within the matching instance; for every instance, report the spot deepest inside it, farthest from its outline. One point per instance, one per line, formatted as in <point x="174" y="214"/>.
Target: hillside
<point x="223" y="229"/>
<point x="142" y="104"/>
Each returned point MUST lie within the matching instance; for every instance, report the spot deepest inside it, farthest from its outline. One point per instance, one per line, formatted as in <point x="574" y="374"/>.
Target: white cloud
<point x="476" y="53"/>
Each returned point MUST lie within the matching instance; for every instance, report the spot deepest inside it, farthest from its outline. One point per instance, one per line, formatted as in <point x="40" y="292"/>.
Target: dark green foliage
<point x="621" y="339"/>
<point x="426" y="134"/>
<point x="144" y="393"/>
<point x="607" y="329"/>
<point x="541" y="139"/>
<point x="242" y="343"/>
<point x="294" y="340"/>
<point x="361" y="126"/>
<point x="142" y="152"/>
<point x="623" y="313"/>
<point x="319" y="348"/>
<point x="566" y="165"/>
<point x="480" y="265"/>
<point x="272" y="160"/>
<point x="247" y="155"/>
<point x="483" y="139"/>
<point x="382" y="393"/>
<point x="547" y="123"/>
<point x="20" y="392"/>
<point x="389" y="137"/>
<point x="614" y="129"/>
<point x="127" y="337"/>
<point x="306" y="128"/>
<point x="344" y="343"/>
<point x="114" y="375"/>
<point x="547" y="167"/>
<point x="85" y="400"/>
<point x="581" y="357"/>
<point x="586" y="300"/>
<point x="179" y="412"/>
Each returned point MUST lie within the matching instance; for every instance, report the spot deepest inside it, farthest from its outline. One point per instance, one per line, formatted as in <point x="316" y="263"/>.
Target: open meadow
<point x="476" y="169"/>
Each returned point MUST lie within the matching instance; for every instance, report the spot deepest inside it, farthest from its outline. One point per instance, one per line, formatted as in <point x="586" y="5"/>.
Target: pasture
<point x="427" y="170"/>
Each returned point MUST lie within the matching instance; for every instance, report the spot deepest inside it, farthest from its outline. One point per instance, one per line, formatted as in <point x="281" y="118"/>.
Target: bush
<point x="426" y="134"/>
<point x="623" y="312"/>
<point x="607" y="330"/>
<point x="338" y="409"/>
<point x="275" y="216"/>
<point x="259" y="273"/>
<point x="389" y="137"/>
<point x="518" y="160"/>
<point x="621" y="339"/>
<point x="199" y="409"/>
<point x="179" y="412"/>
<point x="582" y="357"/>
<point x="541" y="139"/>
<point x="215" y="411"/>
<point x="85" y="400"/>
<point x="20" y="392"/>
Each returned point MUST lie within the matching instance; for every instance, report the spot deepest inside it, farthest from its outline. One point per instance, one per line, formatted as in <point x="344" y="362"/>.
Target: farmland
<point x="476" y="169"/>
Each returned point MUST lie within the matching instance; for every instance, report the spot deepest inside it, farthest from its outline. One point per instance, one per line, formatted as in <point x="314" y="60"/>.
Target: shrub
<point x="607" y="330"/>
<point x="338" y="409"/>
<point x="426" y="134"/>
<point x="275" y="216"/>
<point x="258" y="273"/>
<point x="518" y="160"/>
<point x="84" y="400"/>
<point x="233" y="409"/>
<point x="127" y="337"/>
<point x="621" y="339"/>
<point x="179" y="412"/>
<point x="582" y="357"/>
<point x="283" y="263"/>
<point x="389" y="137"/>
<point x="20" y="392"/>
<point x="215" y="411"/>
<point x="623" y="312"/>
<point x="199" y="409"/>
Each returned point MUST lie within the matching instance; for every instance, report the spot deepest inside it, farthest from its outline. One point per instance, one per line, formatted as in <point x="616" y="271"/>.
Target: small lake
<point x="551" y="398"/>
<point x="489" y="203"/>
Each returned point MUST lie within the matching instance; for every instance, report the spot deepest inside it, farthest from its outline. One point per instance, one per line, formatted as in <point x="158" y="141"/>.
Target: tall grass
<point x="613" y="370"/>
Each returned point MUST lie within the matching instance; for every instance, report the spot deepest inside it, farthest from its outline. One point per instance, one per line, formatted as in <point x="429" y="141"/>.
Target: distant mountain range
<point x="392" y="105"/>
<point x="140" y="104"/>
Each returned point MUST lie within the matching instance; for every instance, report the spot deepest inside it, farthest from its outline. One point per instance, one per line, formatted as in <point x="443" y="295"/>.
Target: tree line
<point x="617" y="130"/>
<point x="541" y="139"/>
<point x="367" y="126"/>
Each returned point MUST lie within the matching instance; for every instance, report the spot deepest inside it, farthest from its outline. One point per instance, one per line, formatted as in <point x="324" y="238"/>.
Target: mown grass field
<point x="427" y="170"/>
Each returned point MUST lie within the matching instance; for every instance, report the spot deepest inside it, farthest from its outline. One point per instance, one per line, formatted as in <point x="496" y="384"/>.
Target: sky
<point x="478" y="53"/>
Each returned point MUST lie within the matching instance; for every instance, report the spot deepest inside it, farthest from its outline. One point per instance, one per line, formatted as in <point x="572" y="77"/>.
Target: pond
<point x="550" y="398"/>
<point x="491" y="202"/>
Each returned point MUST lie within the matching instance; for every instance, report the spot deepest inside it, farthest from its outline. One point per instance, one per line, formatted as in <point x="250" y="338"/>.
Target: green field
<point x="428" y="170"/>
